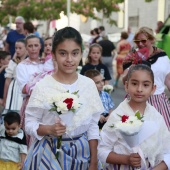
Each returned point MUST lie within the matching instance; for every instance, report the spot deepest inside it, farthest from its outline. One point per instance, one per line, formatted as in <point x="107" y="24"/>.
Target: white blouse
<point x="10" y="71"/>
<point x="25" y="70"/>
<point x="155" y="147"/>
<point x="160" y="69"/>
<point x="85" y="119"/>
<point x="9" y="150"/>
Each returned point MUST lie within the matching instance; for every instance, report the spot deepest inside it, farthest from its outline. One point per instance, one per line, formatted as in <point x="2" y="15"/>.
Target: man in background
<point x="14" y="35"/>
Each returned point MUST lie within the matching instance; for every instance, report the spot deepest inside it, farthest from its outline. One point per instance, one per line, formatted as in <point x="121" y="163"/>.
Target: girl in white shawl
<point x="78" y="126"/>
<point x="154" y="138"/>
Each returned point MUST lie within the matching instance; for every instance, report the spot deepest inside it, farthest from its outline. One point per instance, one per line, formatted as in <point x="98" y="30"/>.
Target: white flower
<point x="108" y="88"/>
<point x="76" y="104"/>
<point x="132" y="124"/>
<point x="61" y="107"/>
<point x="64" y="102"/>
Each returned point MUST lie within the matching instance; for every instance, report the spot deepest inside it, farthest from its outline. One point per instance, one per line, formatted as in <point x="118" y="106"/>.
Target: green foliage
<point x="50" y="9"/>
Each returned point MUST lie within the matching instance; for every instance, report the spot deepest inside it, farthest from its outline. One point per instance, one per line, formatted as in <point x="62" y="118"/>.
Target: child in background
<point x="13" y="148"/>
<point x="94" y="62"/>
<point x="12" y="94"/>
<point x="49" y="64"/>
<point x="106" y="99"/>
<point x="4" y="61"/>
<point x="113" y="150"/>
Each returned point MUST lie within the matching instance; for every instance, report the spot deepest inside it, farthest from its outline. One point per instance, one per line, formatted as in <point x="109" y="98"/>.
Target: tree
<point x="50" y="9"/>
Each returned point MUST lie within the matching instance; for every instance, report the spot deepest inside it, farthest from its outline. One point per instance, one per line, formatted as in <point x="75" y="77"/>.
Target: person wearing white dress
<point x="25" y="69"/>
<point x="12" y="94"/>
<point x="153" y="140"/>
<point x="78" y="126"/>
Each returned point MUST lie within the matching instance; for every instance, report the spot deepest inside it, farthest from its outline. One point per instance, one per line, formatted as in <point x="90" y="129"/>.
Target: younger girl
<point x="94" y="62"/>
<point x="12" y="94"/>
<point x="113" y="151"/>
<point x="49" y="64"/>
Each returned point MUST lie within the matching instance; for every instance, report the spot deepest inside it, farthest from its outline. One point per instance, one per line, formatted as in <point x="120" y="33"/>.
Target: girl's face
<point x="143" y="42"/>
<point x="20" y="49"/>
<point x="95" y="54"/>
<point x="140" y="86"/>
<point x="48" y="46"/>
<point x="68" y="56"/>
<point x="33" y="47"/>
<point x="99" y="81"/>
<point x="6" y="60"/>
<point x="12" y="129"/>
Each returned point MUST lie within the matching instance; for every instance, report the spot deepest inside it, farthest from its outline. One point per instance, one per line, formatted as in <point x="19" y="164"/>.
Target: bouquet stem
<point x="58" y="145"/>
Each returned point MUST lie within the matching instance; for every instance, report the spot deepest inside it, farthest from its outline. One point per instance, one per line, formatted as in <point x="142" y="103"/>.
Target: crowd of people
<point x="56" y="118"/>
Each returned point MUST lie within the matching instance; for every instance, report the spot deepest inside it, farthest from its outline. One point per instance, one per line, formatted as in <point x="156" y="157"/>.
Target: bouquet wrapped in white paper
<point x="129" y="127"/>
<point x="108" y="88"/>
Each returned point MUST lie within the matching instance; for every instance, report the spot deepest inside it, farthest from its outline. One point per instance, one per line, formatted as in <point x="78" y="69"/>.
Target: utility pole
<point x="68" y="12"/>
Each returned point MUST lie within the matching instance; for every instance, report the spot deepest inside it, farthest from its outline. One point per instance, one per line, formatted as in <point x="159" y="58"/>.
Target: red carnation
<point x="124" y="118"/>
<point x="69" y="102"/>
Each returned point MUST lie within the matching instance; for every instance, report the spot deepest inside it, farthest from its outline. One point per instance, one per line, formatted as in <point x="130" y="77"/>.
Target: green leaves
<point x="138" y="115"/>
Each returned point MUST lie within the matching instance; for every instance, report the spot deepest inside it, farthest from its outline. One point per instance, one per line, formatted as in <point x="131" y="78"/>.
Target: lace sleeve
<point x="37" y="97"/>
<point x="10" y="69"/>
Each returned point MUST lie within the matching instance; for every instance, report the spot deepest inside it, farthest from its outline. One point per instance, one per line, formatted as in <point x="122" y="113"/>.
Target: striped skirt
<point x="14" y="97"/>
<point x="73" y="155"/>
<point x="162" y="104"/>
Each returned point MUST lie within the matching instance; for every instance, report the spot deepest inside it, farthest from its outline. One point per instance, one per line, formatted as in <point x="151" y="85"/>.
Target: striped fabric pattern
<point x="14" y="97"/>
<point x="162" y="104"/>
<point x="74" y="155"/>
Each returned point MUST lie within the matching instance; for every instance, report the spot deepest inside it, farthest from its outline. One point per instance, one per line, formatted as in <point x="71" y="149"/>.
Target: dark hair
<point x="140" y="67"/>
<point x="65" y="34"/>
<point x="4" y="54"/>
<point x="48" y="38"/>
<point x="92" y="73"/>
<point x="88" y="59"/>
<point x="102" y="28"/>
<point x="30" y="36"/>
<point x="96" y="30"/>
<point x="21" y="41"/>
<point x="12" y="117"/>
<point x="29" y="27"/>
<point x="124" y="35"/>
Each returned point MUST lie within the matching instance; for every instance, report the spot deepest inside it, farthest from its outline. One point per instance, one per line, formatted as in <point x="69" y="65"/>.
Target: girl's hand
<point x="20" y="165"/>
<point x="58" y="129"/>
<point x="135" y="160"/>
<point x="106" y="118"/>
<point x="102" y="119"/>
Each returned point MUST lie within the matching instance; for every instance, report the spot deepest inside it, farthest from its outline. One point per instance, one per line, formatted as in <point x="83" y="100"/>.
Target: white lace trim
<point x="88" y="97"/>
